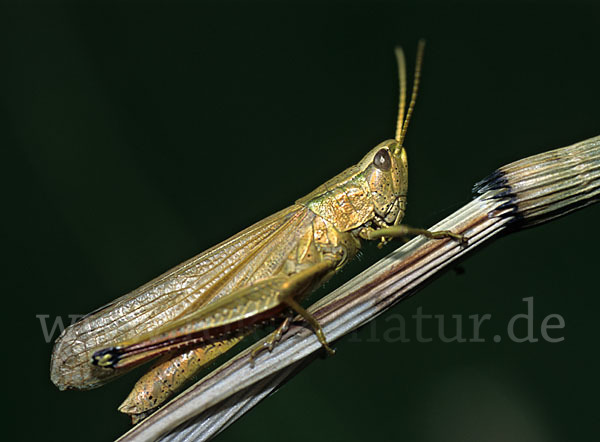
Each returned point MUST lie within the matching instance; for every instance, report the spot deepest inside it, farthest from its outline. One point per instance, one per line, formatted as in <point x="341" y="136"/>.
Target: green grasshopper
<point x="203" y="307"/>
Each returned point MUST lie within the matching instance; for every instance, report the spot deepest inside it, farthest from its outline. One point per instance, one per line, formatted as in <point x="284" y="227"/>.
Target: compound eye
<point x="382" y="160"/>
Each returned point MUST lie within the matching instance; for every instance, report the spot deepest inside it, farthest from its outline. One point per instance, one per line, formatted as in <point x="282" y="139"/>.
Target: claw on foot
<point x="461" y="239"/>
<point x="330" y="351"/>
<point x="271" y="340"/>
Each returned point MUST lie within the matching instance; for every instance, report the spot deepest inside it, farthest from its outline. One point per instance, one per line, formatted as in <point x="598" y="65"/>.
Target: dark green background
<point x="137" y="135"/>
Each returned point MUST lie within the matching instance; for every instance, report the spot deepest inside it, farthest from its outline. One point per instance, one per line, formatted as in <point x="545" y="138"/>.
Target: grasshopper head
<point x="386" y="166"/>
<point x="385" y="170"/>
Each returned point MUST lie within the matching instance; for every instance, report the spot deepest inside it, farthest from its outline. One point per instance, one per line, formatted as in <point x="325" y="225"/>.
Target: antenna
<point x="402" y="124"/>
<point x="401" y="61"/>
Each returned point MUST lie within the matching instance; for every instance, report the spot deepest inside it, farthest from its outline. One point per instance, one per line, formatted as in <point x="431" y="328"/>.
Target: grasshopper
<point x="203" y="307"/>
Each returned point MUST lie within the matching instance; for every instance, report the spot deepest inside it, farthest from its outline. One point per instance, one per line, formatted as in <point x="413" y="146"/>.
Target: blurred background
<point x="138" y="134"/>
